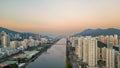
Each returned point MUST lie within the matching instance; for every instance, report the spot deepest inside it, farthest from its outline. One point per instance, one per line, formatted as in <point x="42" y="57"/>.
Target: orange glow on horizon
<point x="59" y="16"/>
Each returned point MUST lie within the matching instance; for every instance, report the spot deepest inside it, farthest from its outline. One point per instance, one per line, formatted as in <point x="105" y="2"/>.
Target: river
<point x="54" y="57"/>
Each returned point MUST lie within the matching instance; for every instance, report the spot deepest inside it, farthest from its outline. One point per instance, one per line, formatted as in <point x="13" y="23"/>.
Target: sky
<point x="59" y="16"/>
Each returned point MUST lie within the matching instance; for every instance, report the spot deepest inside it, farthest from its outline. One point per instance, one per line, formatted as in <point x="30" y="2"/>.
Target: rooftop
<point x="9" y="62"/>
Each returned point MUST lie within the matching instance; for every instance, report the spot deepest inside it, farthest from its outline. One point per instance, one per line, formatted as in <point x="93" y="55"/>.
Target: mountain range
<point x="23" y="34"/>
<point x="8" y="30"/>
<point x="87" y="32"/>
<point x="97" y="32"/>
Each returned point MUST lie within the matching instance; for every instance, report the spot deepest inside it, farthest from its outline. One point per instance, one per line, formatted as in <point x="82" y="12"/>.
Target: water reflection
<point x="52" y="58"/>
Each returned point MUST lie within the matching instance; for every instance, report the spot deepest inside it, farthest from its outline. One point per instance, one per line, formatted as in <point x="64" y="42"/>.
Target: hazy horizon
<point x="59" y="16"/>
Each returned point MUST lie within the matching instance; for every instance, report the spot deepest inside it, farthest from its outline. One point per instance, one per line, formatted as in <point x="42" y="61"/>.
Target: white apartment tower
<point x="110" y="54"/>
<point x="5" y="39"/>
<point x="118" y="60"/>
<point x="104" y="50"/>
<point x="80" y="46"/>
<point x="85" y="50"/>
<point x="116" y="40"/>
<point x="92" y="52"/>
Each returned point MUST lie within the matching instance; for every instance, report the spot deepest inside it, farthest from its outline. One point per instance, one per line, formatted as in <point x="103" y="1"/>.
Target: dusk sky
<point x="59" y="16"/>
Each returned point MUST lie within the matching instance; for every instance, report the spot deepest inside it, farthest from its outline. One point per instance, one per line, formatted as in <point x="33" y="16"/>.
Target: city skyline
<point x="53" y="16"/>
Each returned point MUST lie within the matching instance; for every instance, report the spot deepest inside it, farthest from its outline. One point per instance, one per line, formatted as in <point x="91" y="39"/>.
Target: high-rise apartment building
<point x="98" y="53"/>
<point x="110" y="53"/>
<point x="104" y="50"/>
<point x="5" y="39"/>
<point x="118" y="60"/>
<point x="113" y="38"/>
<point x="74" y="41"/>
<point x="85" y="50"/>
<point x="116" y="40"/>
<point x="92" y="52"/>
<point x="80" y="44"/>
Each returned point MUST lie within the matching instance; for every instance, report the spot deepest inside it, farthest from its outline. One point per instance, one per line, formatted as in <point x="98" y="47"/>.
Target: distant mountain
<point x="96" y="32"/>
<point x="8" y="30"/>
<point x="49" y="35"/>
<point x="22" y="34"/>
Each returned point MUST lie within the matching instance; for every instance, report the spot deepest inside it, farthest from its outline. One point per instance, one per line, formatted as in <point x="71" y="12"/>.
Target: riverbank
<point x="27" y="56"/>
<point x="47" y="46"/>
<point x="54" y="57"/>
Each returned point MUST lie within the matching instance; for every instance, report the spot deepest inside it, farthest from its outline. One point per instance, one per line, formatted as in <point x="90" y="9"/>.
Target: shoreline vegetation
<point x="68" y="63"/>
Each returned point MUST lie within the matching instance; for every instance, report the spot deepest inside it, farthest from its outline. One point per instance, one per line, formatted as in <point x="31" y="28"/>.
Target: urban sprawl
<point x="94" y="52"/>
<point x="16" y="51"/>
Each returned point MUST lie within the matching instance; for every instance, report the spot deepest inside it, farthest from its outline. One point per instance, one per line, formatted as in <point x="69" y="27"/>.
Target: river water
<point x="54" y="57"/>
